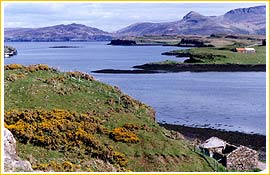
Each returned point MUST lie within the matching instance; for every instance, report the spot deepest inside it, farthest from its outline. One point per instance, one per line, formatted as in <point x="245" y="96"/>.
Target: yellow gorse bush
<point x="30" y="68"/>
<point x="58" y="167"/>
<point x="13" y="66"/>
<point x="123" y="135"/>
<point x="120" y="158"/>
<point x="61" y="130"/>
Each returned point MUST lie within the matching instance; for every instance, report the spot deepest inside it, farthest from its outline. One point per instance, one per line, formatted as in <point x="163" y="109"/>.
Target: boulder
<point x="12" y="162"/>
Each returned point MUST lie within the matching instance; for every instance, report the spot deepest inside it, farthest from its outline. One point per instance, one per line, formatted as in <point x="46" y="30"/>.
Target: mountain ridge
<point x="250" y="20"/>
<point x="61" y="32"/>
<point x="238" y="21"/>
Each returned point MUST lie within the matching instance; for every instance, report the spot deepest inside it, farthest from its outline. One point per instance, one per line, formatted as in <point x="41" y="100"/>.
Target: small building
<point x="232" y="157"/>
<point x="245" y="50"/>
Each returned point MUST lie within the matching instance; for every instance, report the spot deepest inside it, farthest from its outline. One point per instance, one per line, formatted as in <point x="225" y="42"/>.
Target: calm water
<point x="230" y="101"/>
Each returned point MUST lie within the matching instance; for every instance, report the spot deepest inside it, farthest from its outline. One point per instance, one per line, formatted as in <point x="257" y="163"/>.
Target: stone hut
<point x="242" y="158"/>
<point x="232" y="157"/>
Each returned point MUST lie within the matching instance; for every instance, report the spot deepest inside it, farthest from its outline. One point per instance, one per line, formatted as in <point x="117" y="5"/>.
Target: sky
<point x="107" y="16"/>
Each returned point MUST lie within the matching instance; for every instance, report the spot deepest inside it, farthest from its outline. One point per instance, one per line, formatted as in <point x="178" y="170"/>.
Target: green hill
<point x="71" y="122"/>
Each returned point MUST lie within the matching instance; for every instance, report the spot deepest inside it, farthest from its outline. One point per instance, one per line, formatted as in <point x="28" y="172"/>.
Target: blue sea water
<point x="233" y="101"/>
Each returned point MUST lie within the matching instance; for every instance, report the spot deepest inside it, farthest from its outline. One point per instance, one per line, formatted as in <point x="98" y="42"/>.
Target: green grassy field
<point x="221" y="56"/>
<point x="71" y="122"/>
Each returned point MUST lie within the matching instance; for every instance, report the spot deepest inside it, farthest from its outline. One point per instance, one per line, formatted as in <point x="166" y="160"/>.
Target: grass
<point x="222" y="56"/>
<point x="43" y="107"/>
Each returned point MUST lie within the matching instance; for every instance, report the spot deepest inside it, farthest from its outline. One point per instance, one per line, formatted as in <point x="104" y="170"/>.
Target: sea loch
<point x="231" y="101"/>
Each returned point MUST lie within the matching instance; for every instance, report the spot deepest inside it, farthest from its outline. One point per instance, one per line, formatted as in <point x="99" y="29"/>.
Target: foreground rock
<point x="11" y="160"/>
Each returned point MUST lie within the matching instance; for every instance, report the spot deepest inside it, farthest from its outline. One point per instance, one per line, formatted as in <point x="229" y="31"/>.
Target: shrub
<point x="58" y="167"/>
<point x="63" y="131"/>
<point x="37" y="67"/>
<point x="13" y="66"/>
<point x="56" y="79"/>
<point x="119" y="158"/>
<point x="123" y="135"/>
<point x="14" y="77"/>
<point x="131" y="126"/>
<point x="81" y="75"/>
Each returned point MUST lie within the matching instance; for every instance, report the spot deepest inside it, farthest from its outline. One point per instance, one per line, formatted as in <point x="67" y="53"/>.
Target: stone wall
<point x="241" y="159"/>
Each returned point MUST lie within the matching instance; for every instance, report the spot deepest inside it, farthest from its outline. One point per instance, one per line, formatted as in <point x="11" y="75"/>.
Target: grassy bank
<point x="223" y="55"/>
<point x="68" y="121"/>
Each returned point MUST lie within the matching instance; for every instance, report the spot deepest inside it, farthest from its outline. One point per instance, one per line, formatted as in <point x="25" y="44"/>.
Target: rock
<point x="174" y="135"/>
<point x="63" y="47"/>
<point x="12" y="162"/>
<point x="264" y="42"/>
<point x="9" y="51"/>
<point x="193" y="43"/>
<point x="119" y="42"/>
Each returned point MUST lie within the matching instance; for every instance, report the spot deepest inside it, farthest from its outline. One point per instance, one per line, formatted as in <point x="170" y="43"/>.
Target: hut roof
<point x="213" y="142"/>
<point x="250" y="49"/>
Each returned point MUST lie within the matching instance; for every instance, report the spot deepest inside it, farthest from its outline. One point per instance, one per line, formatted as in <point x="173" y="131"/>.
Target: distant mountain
<point x="239" y="21"/>
<point x="70" y="32"/>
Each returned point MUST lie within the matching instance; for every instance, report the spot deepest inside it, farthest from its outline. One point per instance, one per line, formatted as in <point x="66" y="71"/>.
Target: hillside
<point x="68" y="121"/>
<point x="71" y="32"/>
<point x="239" y="21"/>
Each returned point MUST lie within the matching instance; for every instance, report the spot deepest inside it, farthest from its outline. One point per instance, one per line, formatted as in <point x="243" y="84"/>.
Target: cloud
<point x="106" y="16"/>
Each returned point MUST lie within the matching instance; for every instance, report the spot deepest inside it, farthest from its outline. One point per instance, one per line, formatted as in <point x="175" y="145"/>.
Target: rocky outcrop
<point x="119" y="42"/>
<point x="63" y="47"/>
<point x="193" y="67"/>
<point x="12" y="163"/>
<point x="193" y="43"/>
<point x="9" y="51"/>
<point x="117" y="71"/>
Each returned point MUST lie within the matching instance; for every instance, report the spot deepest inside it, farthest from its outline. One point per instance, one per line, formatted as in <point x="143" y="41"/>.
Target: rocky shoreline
<point x="118" y="71"/>
<point x="9" y="51"/>
<point x="185" y="67"/>
<point x="63" y="47"/>
<point x="254" y="141"/>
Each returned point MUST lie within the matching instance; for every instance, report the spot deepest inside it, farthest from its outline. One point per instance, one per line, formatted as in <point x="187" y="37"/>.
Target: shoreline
<point x="254" y="141"/>
<point x="186" y="67"/>
<point x="193" y="67"/>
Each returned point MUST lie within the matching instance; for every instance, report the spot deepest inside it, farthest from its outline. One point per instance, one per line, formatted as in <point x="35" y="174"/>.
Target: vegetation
<point x="225" y="55"/>
<point x="71" y="122"/>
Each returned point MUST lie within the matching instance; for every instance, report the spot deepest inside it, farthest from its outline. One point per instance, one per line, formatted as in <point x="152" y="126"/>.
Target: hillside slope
<point x="70" y="32"/>
<point x="71" y="122"/>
